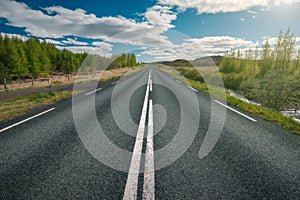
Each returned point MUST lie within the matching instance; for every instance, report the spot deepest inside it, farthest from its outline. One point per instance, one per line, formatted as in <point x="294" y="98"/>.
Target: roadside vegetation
<point x="31" y="59"/>
<point x="14" y="107"/>
<point x="263" y="112"/>
<point x="34" y="64"/>
<point x="269" y="75"/>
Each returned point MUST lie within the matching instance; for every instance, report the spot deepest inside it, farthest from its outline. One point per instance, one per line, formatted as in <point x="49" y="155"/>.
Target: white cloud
<point x="10" y="35"/>
<point x="75" y="42"/>
<point x="103" y="51"/>
<point x="221" y="41"/>
<point x="252" y="12"/>
<point x="160" y="16"/>
<point x="211" y="6"/>
<point x="50" y="41"/>
<point x="59" y="22"/>
<point x="243" y="19"/>
<point x="200" y="47"/>
<point x="273" y="40"/>
<point x="103" y="45"/>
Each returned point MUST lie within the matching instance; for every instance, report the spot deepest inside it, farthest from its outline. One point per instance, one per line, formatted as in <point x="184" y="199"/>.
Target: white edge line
<point x="149" y="178"/>
<point x="93" y="91"/>
<point x="25" y="120"/>
<point x="133" y="174"/>
<point x="178" y="81"/>
<point x="114" y="82"/>
<point x="236" y="111"/>
<point x="192" y="88"/>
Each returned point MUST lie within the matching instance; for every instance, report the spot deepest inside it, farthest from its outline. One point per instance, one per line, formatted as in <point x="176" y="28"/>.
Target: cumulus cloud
<point x="103" y="45"/>
<point x="273" y="40"/>
<point x="58" y="22"/>
<point x="10" y="35"/>
<point x="211" y="6"/>
<point x="200" y="47"/>
<point x="75" y="42"/>
<point x="55" y="42"/>
<point x="160" y="16"/>
<point x="99" y="50"/>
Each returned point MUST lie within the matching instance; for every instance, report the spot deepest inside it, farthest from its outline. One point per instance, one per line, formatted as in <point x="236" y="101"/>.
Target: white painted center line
<point x="151" y="84"/>
<point x="133" y="174"/>
<point x="93" y="91"/>
<point x="25" y="120"/>
<point x="149" y="183"/>
<point x="192" y="88"/>
<point x="235" y="111"/>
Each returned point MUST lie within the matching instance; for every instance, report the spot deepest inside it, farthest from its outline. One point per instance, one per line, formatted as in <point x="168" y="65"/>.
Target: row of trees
<point x="93" y="63"/>
<point x="269" y="75"/>
<point x="124" y="60"/>
<point x="33" y="58"/>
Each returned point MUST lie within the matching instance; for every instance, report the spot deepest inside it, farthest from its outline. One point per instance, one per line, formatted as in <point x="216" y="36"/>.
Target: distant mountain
<point x="199" y="62"/>
<point x="177" y="63"/>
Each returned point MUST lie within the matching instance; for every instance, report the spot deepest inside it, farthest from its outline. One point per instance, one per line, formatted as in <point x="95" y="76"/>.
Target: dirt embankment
<point x="55" y="82"/>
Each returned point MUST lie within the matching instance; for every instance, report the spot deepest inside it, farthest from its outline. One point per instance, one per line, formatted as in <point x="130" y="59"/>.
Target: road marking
<point x="150" y="84"/>
<point x="93" y="91"/>
<point x="149" y="184"/>
<point x="114" y="82"/>
<point x="236" y="111"/>
<point x="192" y="88"/>
<point x="25" y="120"/>
<point x="133" y="174"/>
<point x="178" y="81"/>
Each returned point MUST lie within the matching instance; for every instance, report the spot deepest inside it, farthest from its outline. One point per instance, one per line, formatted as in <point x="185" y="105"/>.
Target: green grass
<point x="110" y="78"/>
<point x="57" y="83"/>
<point x="14" y="107"/>
<point x="263" y="112"/>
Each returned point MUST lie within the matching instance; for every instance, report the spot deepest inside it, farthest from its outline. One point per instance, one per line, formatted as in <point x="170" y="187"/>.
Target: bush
<point x="232" y="81"/>
<point x="191" y="74"/>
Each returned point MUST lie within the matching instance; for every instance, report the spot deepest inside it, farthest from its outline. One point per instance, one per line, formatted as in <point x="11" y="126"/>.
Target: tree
<point x="297" y="61"/>
<point x="21" y="67"/>
<point x="133" y="60"/>
<point x="123" y="60"/>
<point x="33" y="50"/>
<point x="283" y="49"/>
<point x="277" y="88"/>
<point x="256" y="55"/>
<point x="266" y="58"/>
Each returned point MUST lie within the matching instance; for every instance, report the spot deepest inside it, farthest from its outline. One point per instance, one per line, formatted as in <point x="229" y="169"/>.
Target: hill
<point x="199" y="62"/>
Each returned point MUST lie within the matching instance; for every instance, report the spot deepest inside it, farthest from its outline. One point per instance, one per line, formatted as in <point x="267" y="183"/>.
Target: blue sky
<point x="154" y="30"/>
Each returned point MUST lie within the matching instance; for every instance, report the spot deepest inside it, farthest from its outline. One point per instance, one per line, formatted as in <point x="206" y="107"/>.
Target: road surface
<point x="44" y="157"/>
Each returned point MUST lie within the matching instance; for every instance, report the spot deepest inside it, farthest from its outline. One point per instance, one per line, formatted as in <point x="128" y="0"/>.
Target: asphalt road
<point x="85" y="153"/>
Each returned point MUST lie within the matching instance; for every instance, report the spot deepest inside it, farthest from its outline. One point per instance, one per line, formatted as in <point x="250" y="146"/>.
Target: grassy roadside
<point x="17" y="106"/>
<point x="265" y="113"/>
<point x="14" y="107"/>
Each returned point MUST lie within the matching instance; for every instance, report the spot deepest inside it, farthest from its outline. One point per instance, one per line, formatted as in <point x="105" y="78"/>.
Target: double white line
<point x="131" y="187"/>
